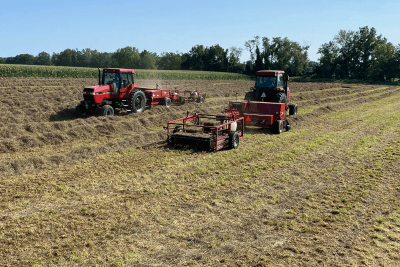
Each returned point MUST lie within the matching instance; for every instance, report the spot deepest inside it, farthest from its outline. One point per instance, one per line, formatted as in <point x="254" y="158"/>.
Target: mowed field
<point x="109" y="191"/>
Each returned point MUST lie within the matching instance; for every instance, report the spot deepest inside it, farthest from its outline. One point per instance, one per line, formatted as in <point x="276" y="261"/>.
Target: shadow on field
<point x="68" y="114"/>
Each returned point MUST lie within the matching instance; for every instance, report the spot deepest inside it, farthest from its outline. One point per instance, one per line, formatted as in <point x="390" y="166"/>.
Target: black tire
<point x="277" y="127"/>
<point x="166" y="102"/>
<point x="234" y="140"/>
<point x="292" y="109"/>
<point x="106" y="110"/>
<point x="280" y="98"/>
<point x="200" y="99"/>
<point x="249" y="96"/>
<point x="82" y="111"/>
<point x="137" y="101"/>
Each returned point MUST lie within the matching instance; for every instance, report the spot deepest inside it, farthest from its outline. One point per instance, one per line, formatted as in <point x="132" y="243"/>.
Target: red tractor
<point x="116" y="90"/>
<point x="266" y="105"/>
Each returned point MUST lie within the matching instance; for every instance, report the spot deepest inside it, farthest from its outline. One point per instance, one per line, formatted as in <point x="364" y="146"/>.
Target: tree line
<point x="361" y="55"/>
<point x="214" y="58"/>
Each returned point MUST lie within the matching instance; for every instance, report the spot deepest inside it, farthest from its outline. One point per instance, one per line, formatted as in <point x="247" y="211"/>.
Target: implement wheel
<point x="292" y="109"/>
<point x="166" y="102"/>
<point x="234" y="140"/>
<point x="277" y="127"/>
<point x="137" y="101"/>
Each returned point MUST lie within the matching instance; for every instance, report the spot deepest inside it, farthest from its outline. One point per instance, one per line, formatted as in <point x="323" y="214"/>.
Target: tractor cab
<point x="268" y="84"/>
<point x="120" y="78"/>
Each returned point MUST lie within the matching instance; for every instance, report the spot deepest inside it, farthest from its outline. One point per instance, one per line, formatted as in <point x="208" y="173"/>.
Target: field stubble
<point x="109" y="191"/>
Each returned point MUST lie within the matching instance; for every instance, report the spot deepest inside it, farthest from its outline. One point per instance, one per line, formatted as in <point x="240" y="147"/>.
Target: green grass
<point x="8" y="70"/>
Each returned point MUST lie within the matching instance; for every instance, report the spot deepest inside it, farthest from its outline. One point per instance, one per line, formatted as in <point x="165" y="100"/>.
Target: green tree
<point x="234" y="64"/>
<point x="127" y="57"/>
<point x="148" y="60"/>
<point x="68" y="57"/>
<point x="169" y="61"/>
<point x="215" y="58"/>
<point x="196" y="58"/>
<point x="23" y="59"/>
<point x="100" y="60"/>
<point x="328" y="59"/>
<point x="258" y="65"/>
<point x="43" y="58"/>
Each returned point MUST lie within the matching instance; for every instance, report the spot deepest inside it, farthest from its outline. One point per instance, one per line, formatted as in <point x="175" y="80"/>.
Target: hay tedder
<point x="207" y="132"/>
<point x="116" y="91"/>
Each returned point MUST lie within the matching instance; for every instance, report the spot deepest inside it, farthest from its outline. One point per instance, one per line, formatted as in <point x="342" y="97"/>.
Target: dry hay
<point x="109" y="191"/>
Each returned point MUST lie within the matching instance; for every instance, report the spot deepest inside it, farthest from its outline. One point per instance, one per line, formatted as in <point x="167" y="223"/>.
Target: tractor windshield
<point x="263" y="81"/>
<point x="110" y="78"/>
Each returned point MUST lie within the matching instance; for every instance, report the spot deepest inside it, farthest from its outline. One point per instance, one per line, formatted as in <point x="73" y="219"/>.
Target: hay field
<point x="108" y="191"/>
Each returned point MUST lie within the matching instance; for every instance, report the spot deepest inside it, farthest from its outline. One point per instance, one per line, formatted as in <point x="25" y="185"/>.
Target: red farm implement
<point x="184" y="96"/>
<point x="207" y="132"/>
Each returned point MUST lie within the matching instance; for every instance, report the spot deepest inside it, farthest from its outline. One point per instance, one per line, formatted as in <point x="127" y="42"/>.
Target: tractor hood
<point x="97" y="89"/>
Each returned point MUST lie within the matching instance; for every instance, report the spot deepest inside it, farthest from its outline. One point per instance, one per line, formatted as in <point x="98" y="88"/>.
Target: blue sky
<point x="176" y="25"/>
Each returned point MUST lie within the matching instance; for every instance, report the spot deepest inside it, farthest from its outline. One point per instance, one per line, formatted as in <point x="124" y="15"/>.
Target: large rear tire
<point x="249" y="96"/>
<point x="280" y="98"/>
<point x="137" y="101"/>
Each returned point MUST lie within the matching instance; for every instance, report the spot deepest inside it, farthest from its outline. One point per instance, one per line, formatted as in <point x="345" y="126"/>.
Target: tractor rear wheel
<point x="280" y="98"/>
<point x="137" y="101"/>
<point x="106" y="110"/>
<point x="200" y="99"/>
<point x="234" y="140"/>
<point x="249" y="96"/>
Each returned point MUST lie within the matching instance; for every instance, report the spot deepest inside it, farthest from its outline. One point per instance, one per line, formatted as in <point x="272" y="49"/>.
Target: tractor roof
<point x="118" y="70"/>
<point x="269" y="72"/>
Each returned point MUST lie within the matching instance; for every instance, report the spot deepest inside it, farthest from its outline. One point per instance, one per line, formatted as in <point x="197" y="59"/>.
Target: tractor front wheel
<point x="82" y="111"/>
<point x="137" y="101"/>
<point x="106" y="110"/>
<point x="234" y="140"/>
<point x="200" y="99"/>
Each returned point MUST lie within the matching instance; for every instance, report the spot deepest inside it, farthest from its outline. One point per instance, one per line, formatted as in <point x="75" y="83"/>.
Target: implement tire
<point x="292" y="109"/>
<point x="234" y="140"/>
<point x="277" y="127"/>
<point x="137" y="101"/>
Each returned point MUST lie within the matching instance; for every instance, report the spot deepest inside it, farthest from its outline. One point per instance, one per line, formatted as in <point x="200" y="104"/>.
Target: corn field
<point x="7" y="70"/>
